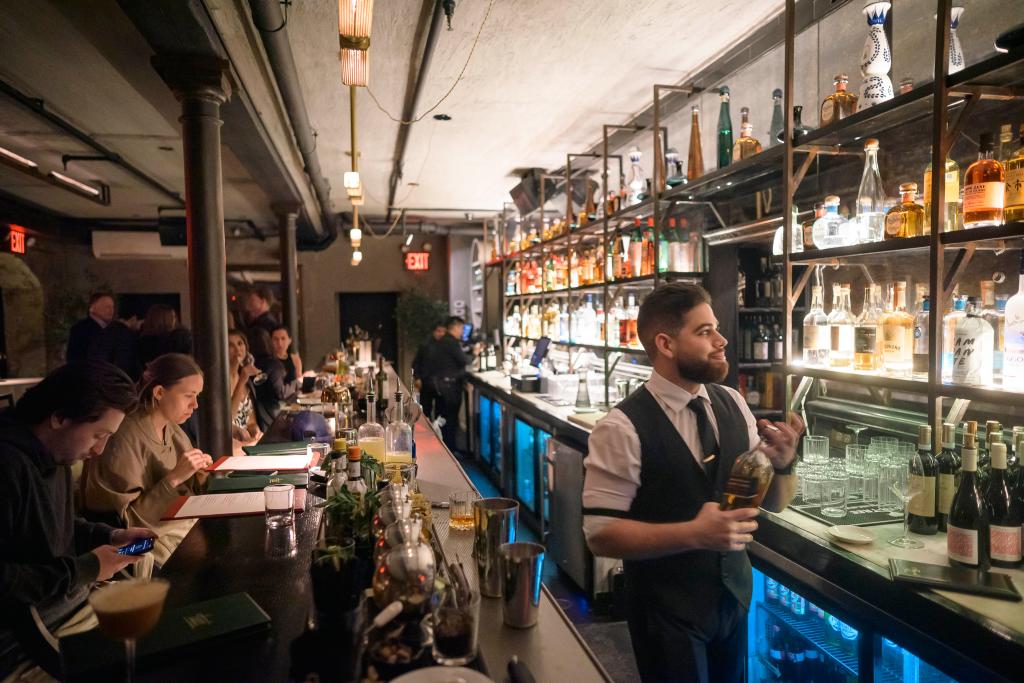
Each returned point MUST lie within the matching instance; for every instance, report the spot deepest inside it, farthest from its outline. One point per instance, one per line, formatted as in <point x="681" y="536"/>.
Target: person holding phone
<point x="49" y="557"/>
<point x="150" y="461"/>
<point x="655" y="472"/>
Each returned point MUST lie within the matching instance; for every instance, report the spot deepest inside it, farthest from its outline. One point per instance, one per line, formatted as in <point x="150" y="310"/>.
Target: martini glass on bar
<point x="128" y="610"/>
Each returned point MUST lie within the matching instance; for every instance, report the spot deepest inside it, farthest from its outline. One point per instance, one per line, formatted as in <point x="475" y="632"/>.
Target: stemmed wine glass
<point x="905" y="489"/>
<point x="128" y="610"/>
<point x="856" y="429"/>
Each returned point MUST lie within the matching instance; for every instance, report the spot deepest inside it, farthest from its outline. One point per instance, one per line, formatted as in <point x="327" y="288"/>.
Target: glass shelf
<point x="862" y="378"/>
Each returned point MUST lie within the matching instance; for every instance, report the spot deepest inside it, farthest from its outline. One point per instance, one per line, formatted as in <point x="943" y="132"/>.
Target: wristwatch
<point x="788" y="469"/>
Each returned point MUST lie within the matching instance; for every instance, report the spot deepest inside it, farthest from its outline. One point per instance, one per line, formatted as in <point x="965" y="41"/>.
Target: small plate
<point x="308" y="401"/>
<point x="584" y="411"/>
<point x="443" y="674"/>
<point x="848" y="533"/>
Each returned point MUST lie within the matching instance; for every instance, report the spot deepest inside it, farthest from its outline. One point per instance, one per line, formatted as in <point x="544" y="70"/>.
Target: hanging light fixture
<point x="357" y="257"/>
<point x="355" y="236"/>
<point x="355" y="18"/>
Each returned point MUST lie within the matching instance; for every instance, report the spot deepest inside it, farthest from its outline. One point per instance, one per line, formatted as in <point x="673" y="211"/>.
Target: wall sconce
<point x="355" y="19"/>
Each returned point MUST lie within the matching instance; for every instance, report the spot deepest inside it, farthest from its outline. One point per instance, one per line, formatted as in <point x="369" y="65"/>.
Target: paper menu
<point x="224" y="505"/>
<point x="280" y="463"/>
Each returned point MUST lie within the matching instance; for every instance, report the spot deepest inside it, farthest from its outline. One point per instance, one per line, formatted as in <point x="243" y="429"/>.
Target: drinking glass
<point x="128" y="610"/>
<point x="812" y="482"/>
<point x="884" y="444"/>
<point x="456" y="623"/>
<point x="888" y="474"/>
<point x="872" y="465"/>
<point x="815" y="448"/>
<point x="834" y="489"/>
<point x="279" y="502"/>
<point x="856" y="458"/>
<point x="401" y="473"/>
<point x="905" y="488"/>
<point x="460" y="510"/>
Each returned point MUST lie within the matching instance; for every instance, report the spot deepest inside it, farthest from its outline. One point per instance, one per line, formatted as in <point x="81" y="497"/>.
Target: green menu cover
<point x="254" y="482"/>
<point x="282" y="448"/>
<point x="93" y="656"/>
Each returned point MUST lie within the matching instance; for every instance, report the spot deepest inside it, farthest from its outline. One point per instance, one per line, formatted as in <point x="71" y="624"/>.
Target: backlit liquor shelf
<point x="642" y="282"/>
<point x="580" y="345"/>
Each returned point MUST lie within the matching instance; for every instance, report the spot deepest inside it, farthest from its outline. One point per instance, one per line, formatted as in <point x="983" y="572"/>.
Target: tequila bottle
<point x="832" y="230"/>
<point x="1015" y="182"/>
<point x="1013" y="343"/>
<point x="906" y="219"/>
<point x="870" y="197"/>
<point x="637" y="180"/>
<point x="951" y="196"/>
<point x="746" y="146"/>
<point x="972" y="349"/>
<point x="724" y="129"/>
<point x="778" y="125"/>
<point x="867" y="341"/>
<point x="840" y="104"/>
<point x="984" y="188"/>
<point x="841" y="323"/>
<point x="949" y="323"/>
<point x="398" y="435"/>
<point x="695" y="158"/>
<point x="817" y="340"/>
<point x="898" y="334"/>
<point x="920" y="353"/>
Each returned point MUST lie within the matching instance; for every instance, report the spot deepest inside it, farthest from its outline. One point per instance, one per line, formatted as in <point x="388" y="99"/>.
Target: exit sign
<point x="417" y="260"/>
<point x="17" y="239"/>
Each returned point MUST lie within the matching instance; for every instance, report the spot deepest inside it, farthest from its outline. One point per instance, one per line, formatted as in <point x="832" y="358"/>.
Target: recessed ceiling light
<point x="442" y="117"/>
<point x="17" y="158"/>
<point x="71" y="182"/>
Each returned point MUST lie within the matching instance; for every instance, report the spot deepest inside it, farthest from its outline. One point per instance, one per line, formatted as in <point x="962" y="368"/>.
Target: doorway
<point x="375" y="313"/>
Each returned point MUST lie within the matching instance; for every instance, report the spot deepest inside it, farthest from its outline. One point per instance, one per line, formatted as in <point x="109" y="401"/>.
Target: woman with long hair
<point x="160" y="333"/>
<point x="150" y="461"/>
<point x="245" y="425"/>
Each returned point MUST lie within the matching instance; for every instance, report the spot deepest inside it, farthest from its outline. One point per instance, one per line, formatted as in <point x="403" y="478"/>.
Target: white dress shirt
<point x="613" y="460"/>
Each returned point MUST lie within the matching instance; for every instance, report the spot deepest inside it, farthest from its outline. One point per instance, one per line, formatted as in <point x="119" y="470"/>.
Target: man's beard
<point x="703" y="371"/>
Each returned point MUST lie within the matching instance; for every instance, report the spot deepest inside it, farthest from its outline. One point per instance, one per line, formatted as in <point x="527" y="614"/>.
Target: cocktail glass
<point x="905" y="489"/>
<point x="128" y="610"/>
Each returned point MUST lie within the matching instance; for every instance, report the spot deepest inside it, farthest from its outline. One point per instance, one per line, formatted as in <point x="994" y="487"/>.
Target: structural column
<point x="202" y="85"/>
<point x="289" y="271"/>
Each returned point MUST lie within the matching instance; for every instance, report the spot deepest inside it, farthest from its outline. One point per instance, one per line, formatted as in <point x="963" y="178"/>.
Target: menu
<point x="270" y="463"/>
<point x="224" y="505"/>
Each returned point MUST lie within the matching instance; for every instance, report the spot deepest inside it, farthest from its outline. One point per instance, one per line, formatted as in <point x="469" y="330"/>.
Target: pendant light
<point x="355" y="18"/>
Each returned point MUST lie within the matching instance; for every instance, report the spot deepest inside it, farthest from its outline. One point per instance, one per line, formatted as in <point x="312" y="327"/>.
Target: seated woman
<point x="281" y="340"/>
<point x="245" y="426"/>
<point x="149" y="461"/>
<point x="273" y="389"/>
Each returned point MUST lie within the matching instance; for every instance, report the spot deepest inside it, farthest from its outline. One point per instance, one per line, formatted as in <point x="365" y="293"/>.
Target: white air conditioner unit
<point x="133" y="246"/>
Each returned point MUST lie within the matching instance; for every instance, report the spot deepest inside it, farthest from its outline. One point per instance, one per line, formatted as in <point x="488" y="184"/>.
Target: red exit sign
<point x="417" y="260"/>
<point x="17" y="239"/>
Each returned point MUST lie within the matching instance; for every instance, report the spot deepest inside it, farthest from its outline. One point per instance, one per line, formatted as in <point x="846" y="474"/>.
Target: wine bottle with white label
<point x="968" y="530"/>
<point x="949" y="474"/>
<point x="921" y="517"/>
<point x="1003" y="513"/>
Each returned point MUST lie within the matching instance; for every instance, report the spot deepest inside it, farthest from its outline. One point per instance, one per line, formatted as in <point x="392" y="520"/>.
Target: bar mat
<point x="858" y="513"/>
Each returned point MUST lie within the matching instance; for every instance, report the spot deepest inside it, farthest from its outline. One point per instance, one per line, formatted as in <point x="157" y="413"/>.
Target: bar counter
<point x="226" y="555"/>
<point x="970" y="637"/>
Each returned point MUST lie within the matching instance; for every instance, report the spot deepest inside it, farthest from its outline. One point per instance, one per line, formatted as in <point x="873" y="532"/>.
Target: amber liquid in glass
<point x="129" y="609"/>
<point x="748" y="482"/>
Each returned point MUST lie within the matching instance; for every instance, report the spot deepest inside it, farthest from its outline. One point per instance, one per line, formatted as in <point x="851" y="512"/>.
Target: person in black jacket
<point x="85" y="331"/>
<point x="160" y="334"/>
<point x="49" y="557"/>
<point x="444" y="366"/>
<point x="257" y="309"/>
<point x="118" y="344"/>
<point x="271" y="387"/>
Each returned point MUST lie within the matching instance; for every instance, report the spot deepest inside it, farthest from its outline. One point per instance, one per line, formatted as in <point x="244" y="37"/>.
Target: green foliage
<point x="349" y="515"/>
<point x="417" y="314"/>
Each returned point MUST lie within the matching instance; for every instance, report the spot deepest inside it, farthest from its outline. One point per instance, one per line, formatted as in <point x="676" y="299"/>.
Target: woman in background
<point x="160" y="334"/>
<point x="245" y="426"/>
<point x="281" y="340"/>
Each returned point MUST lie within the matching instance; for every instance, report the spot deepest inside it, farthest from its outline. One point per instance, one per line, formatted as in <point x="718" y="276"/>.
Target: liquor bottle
<point x="724" y="129"/>
<point x="832" y="230"/>
<point x="588" y="322"/>
<point x="1003" y="512"/>
<point x="1015" y="182"/>
<point x="778" y="344"/>
<point x="648" y="250"/>
<point x="800" y="131"/>
<point x="923" y="470"/>
<point x="1013" y="341"/>
<point x="995" y="317"/>
<point x="371" y="435"/>
<point x="637" y="180"/>
<point x="840" y="104"/>
<point x="632" y="311"/>
<point x="920" y="353"/>
<point x="841" y="323"/>
<point x="951" y="196"/>
<point x="747" y="145"/>
<point x="993" y="435"/>
<point x="674" y="168"/>
<point x="778" y="126"/>
<point x="398" y="435"/>
<point x="636" y="251"/>
<point x="807" y="228"/>
<point x="898" y="334"/>
<point x="972" y="349"/>
<point x="906" y="219"/>
<point x="612" y="328"/>
<point x="871" y="197"/>
<point x="695" y="158"/>
<point x="984" y="188"/>
<point x="949" y="323"/>
<point x="817" y="340"/>
<point x="949" y="474"/>
<point x="867" y="350"/>
<point x="748" y="481"/>
<point x="761" y="344"/>
<point x="355" y="482"/>
<point x="382" y="386"/>
<point x="968" y="529"/>
<point x="1005" y="150"/>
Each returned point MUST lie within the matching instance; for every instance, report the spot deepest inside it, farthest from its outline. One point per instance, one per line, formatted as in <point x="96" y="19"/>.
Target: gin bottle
<point x="724" y="129"/>
<point x="949" y="323"/>
<point x="870" y="197"/>
<point x="920" y="354"/>
<point x="817" y="340"/>
<point x="995" y="317"/>
<point x="866" y="338"/>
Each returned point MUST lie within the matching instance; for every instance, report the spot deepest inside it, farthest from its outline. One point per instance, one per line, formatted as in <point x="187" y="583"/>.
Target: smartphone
<point x="138" y="548"/>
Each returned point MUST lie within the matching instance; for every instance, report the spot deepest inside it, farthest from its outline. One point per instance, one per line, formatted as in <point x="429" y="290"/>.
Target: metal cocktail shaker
<point x="496" y="521"/>
<point x="521" y="566"/>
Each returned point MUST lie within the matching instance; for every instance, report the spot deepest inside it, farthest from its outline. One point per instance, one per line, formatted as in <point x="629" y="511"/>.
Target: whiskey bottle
<point x="695" y="158"/>
<point x="867" y="352"/>
<point x="746" y="146"/>
<point x="840" y="104"/>
<point x="898" y="334"/>
<point x="816" y="331"/>
<point x="748" y="481"/>
<point x="906" y="219"/>
<point x="724" y="129"/>
<point x="984" y="188"/>
<point x="1015" y="182"/>
<point x="951" y="196"/>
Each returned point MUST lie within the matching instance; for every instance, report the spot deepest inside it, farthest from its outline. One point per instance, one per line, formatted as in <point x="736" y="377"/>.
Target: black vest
<point x="673" y="487"/>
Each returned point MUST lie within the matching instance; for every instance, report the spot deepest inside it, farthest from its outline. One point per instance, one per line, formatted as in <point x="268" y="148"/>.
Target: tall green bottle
<point x="724" y="129"/>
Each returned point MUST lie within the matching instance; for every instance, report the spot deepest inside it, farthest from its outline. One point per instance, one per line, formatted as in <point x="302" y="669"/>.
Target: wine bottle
<point x="968" y="533"/>
<point x="949" y="474"/>
<point x="923" y="471"/>
<point x="724" y="129"/>
<point x="1003" y="512"/>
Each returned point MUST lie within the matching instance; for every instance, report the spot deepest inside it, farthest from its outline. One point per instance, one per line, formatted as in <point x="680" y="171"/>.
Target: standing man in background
<point x="444" y="366"/>
<point x="85" y="331"/>
<point x="257" y="309"/>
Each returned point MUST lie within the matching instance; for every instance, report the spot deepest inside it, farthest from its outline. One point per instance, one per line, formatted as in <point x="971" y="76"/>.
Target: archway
<point x="24" y="329"/>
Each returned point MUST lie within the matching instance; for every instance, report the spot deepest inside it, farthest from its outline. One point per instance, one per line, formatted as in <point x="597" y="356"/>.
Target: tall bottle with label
<point x="949" y="323"/>
<point x="898" y="334"/>
<point x="841" y="323"/>
<point x="972" y="349"/>
<point x="984" y="188"/>
<point x="1003" y="512"/>
<point x="1013" y="341"/>
<point x="398" y="435"/>
<point x="967" y="534"/>
<point x="695" y="158"/>
<point x="866" y="337"/>
<point x="951" y="196"/>
<point x="817" y="339"/>
<point x="747" y="145"/>
<point x="870" y="197"/>
<point x="920" y="353"/>
<point x="996" y="317"/>
<point x="924" y="470"/>
<point x="1015" y="183"/>
<point x="949" y="474"/>
<point x="724" y="129"/>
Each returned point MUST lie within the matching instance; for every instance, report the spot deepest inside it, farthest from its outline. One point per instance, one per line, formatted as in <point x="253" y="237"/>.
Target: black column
<point x="201" y="85"/>
<point x="289" y="271"/>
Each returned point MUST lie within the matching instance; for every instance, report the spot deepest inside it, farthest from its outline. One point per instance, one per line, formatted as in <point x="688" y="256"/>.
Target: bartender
<point x="443" y="368"/>
<point x="656" y="468"/>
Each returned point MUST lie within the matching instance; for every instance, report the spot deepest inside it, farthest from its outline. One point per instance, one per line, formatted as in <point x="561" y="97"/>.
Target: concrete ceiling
<point x="543" y="79"/>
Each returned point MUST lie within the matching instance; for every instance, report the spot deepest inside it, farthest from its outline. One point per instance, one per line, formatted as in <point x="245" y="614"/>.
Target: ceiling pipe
<point x="411" y="102"/>
<point x="271" y="24"/>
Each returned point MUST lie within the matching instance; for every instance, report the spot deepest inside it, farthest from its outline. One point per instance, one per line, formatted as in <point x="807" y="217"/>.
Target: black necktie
<point x="708" y="441"/>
